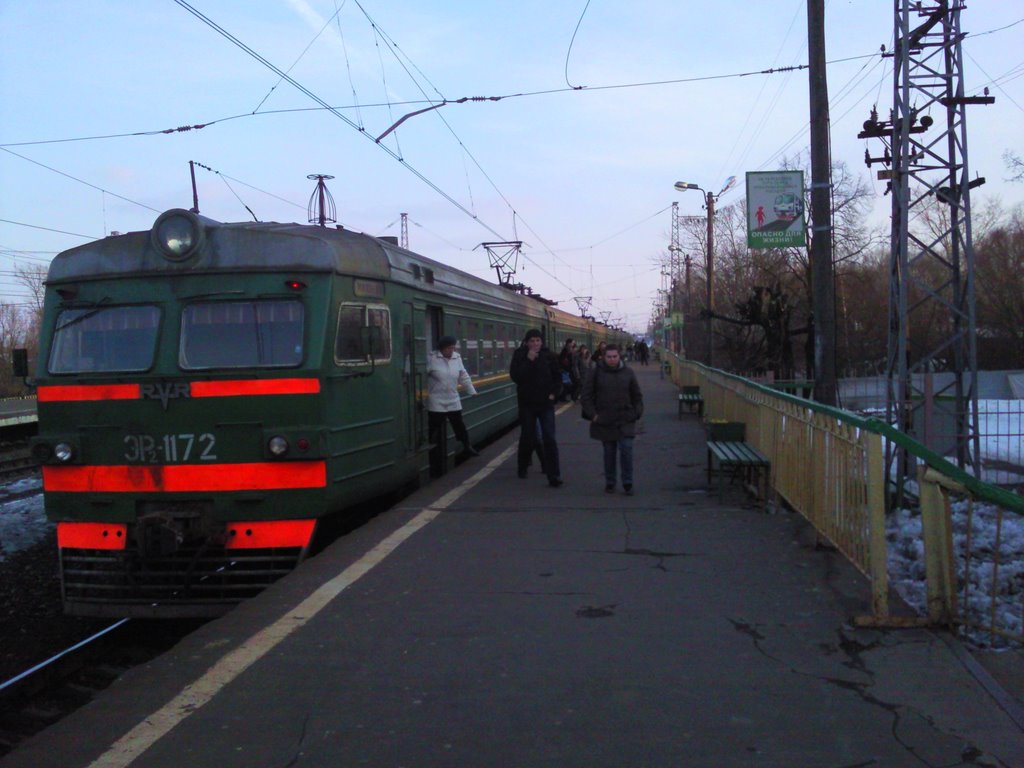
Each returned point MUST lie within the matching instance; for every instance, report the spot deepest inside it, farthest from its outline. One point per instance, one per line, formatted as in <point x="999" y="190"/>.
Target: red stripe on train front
<point x="72" y="392"/>
<point x="91" y="535"/>
<point x="273" y="533"/>
<point x="255" y="387"/>
<point x="69" y="393"/>
<point x="182" y="478"/>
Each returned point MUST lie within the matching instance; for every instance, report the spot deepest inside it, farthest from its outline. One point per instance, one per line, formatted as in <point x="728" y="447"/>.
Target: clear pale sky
<point x="583" y="176"/>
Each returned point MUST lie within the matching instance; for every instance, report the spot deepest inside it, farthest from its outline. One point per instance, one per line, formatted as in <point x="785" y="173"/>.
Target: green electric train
<point x="209" y="392"/>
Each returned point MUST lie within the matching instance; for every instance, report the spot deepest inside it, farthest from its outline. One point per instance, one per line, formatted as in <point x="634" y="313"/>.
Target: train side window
<point x="487" y="350"/>
<point x="471" y="358"/>
<point x="351" y="343"/>
<point x="501" y="359"/>
<point x="97" y="340"/>
<point x="260" y="333"/>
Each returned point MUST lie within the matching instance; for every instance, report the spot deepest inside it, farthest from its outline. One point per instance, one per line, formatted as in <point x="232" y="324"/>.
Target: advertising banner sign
<point x="775" y="209"/>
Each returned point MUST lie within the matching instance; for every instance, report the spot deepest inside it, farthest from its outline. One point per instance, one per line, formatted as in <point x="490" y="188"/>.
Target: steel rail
<point x="53" y="659"/>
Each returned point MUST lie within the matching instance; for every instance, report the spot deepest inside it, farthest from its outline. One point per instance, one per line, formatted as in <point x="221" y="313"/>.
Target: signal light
<point x="294" y="285"/>
<point x="278" y="445"/>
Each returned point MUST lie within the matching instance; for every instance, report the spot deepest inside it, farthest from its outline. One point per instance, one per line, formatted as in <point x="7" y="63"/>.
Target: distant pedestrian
<point x="583" y="361"/>
<point x="613" y="403"/>
<point x="538" y="378"/>
<point x="643" y="352"/>
<point x="569" y="376"/>
<point x="599" y="352"/>
<point x="445" y="373"/>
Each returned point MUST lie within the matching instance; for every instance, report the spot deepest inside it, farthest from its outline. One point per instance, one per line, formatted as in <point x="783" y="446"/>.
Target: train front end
<point x="179" y="401"/>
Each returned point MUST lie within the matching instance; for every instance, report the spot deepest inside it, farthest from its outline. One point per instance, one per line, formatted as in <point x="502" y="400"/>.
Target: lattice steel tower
<point x="931" y="285"/>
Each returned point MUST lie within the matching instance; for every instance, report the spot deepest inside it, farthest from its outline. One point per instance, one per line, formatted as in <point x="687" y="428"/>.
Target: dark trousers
<point x="435" y="428"/>
<point x="529" y="419"/>
<point x="624" y="447"/>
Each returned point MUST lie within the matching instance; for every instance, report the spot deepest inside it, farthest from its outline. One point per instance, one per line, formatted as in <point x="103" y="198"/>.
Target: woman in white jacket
<point x="445" y="372"/>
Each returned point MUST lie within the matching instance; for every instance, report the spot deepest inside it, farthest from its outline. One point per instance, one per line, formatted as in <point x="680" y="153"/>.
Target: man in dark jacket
<point x="538" y="378"/>
<point x="613" y="403"/>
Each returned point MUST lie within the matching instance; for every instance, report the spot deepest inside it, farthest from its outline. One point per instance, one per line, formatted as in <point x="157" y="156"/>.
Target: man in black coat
<point x="538" y="378"/>
<point x="613" y="404"/>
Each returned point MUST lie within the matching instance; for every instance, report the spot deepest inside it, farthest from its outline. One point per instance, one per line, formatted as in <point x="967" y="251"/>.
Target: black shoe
<point x="522" y="474"/>
<point x="555" y="482"/>
<point x="609" y="488"/>
<point x="469" y="450"/>
<point x="628" y="488"/>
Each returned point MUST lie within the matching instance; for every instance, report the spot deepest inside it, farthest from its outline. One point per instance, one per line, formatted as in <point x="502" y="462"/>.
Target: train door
<point x="433" y="330"/>
<point x="414" y="376"/>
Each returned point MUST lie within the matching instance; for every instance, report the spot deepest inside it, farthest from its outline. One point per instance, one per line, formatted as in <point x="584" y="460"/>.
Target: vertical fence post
<point x="937" y="536"/>
<point x="876" y="522"/>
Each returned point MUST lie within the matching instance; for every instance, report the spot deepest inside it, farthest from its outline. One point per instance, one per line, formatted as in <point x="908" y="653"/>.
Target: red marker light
<point x="294" y="285"/>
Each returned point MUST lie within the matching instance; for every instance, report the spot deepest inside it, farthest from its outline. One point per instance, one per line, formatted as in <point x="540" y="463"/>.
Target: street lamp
<point x="710" y="199"/>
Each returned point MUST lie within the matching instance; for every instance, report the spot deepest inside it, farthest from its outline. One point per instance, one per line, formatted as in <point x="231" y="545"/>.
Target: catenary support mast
<point x="932" y="361"/>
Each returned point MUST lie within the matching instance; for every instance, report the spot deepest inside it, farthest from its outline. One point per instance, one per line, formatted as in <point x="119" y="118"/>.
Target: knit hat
<point x="532" y="333"/>
<point x="447" y="341"/>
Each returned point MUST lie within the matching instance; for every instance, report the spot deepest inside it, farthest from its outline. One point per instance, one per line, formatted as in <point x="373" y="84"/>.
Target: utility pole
<point x="675" y="305"/>
<point x="711" y="278"/>
<point x="822" y="281"/>
<point x="404" y="239"/>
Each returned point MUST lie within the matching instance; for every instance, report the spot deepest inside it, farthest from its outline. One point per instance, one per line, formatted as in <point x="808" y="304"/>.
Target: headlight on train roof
<point x="63" y="452"/>
<point x="177" y="234"/>
<point x="277" y="445"/>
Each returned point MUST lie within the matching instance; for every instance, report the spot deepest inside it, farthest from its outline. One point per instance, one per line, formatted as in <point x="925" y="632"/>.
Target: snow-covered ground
<point x="1001" y="432"/>
<point x="22" y="521"/>
<point x="983" y="573"/>
<point x="1001" y="438"/>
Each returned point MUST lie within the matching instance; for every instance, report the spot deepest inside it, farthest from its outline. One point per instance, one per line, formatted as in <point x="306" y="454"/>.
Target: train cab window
<point x="261" y="333"/>
<point x="98" y="340"/>
<point x="354" y="344"/>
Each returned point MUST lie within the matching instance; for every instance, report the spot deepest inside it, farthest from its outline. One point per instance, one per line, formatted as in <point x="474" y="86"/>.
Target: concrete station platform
<point x="493" y="621"/>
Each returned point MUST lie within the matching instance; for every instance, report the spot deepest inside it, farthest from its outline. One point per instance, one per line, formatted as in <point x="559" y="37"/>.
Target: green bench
<point x="691" y="398"/>
<point x="735" y="457"/>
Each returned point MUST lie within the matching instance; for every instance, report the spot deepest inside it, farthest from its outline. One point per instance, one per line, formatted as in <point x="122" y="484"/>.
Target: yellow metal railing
<point x="828" y="465"/>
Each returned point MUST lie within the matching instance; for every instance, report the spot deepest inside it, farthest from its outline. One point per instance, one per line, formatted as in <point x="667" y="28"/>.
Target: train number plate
<point x="167" y="449"/>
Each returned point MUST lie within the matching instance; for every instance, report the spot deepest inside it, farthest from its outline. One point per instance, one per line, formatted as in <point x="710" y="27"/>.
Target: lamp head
<point x="682" y="186"/>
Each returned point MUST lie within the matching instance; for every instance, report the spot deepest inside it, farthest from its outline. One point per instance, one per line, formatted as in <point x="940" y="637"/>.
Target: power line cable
<point x="299" y="58"/>
<point x="80" y="181"/>
<point x="302" y="89"/>
<point x="49" y="229"/>
<point x="569" y="50"/>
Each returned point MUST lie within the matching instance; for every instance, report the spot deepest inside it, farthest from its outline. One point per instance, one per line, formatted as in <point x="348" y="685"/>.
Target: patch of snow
<point x="990" y="588"/>
<point x="22" y="521"/>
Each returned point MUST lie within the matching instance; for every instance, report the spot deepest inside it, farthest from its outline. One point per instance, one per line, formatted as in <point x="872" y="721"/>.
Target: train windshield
<point x="261" y="333"/>
<point x="104" y="339"/>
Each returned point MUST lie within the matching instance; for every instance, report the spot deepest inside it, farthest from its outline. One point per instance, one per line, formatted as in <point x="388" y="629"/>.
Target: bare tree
<point x="999" y="271"/>
<point x="763" y="297"/>
<point x="14" y="334"/>
<point x="1015" y="164"/>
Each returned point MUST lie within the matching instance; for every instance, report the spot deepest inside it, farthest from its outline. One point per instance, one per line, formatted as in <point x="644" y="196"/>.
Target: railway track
<point x="53" y="689"/>
<point x="16" y="462"/>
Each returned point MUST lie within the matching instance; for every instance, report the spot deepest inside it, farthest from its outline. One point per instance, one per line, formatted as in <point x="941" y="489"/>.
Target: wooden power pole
<point x="822" y="283"/>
